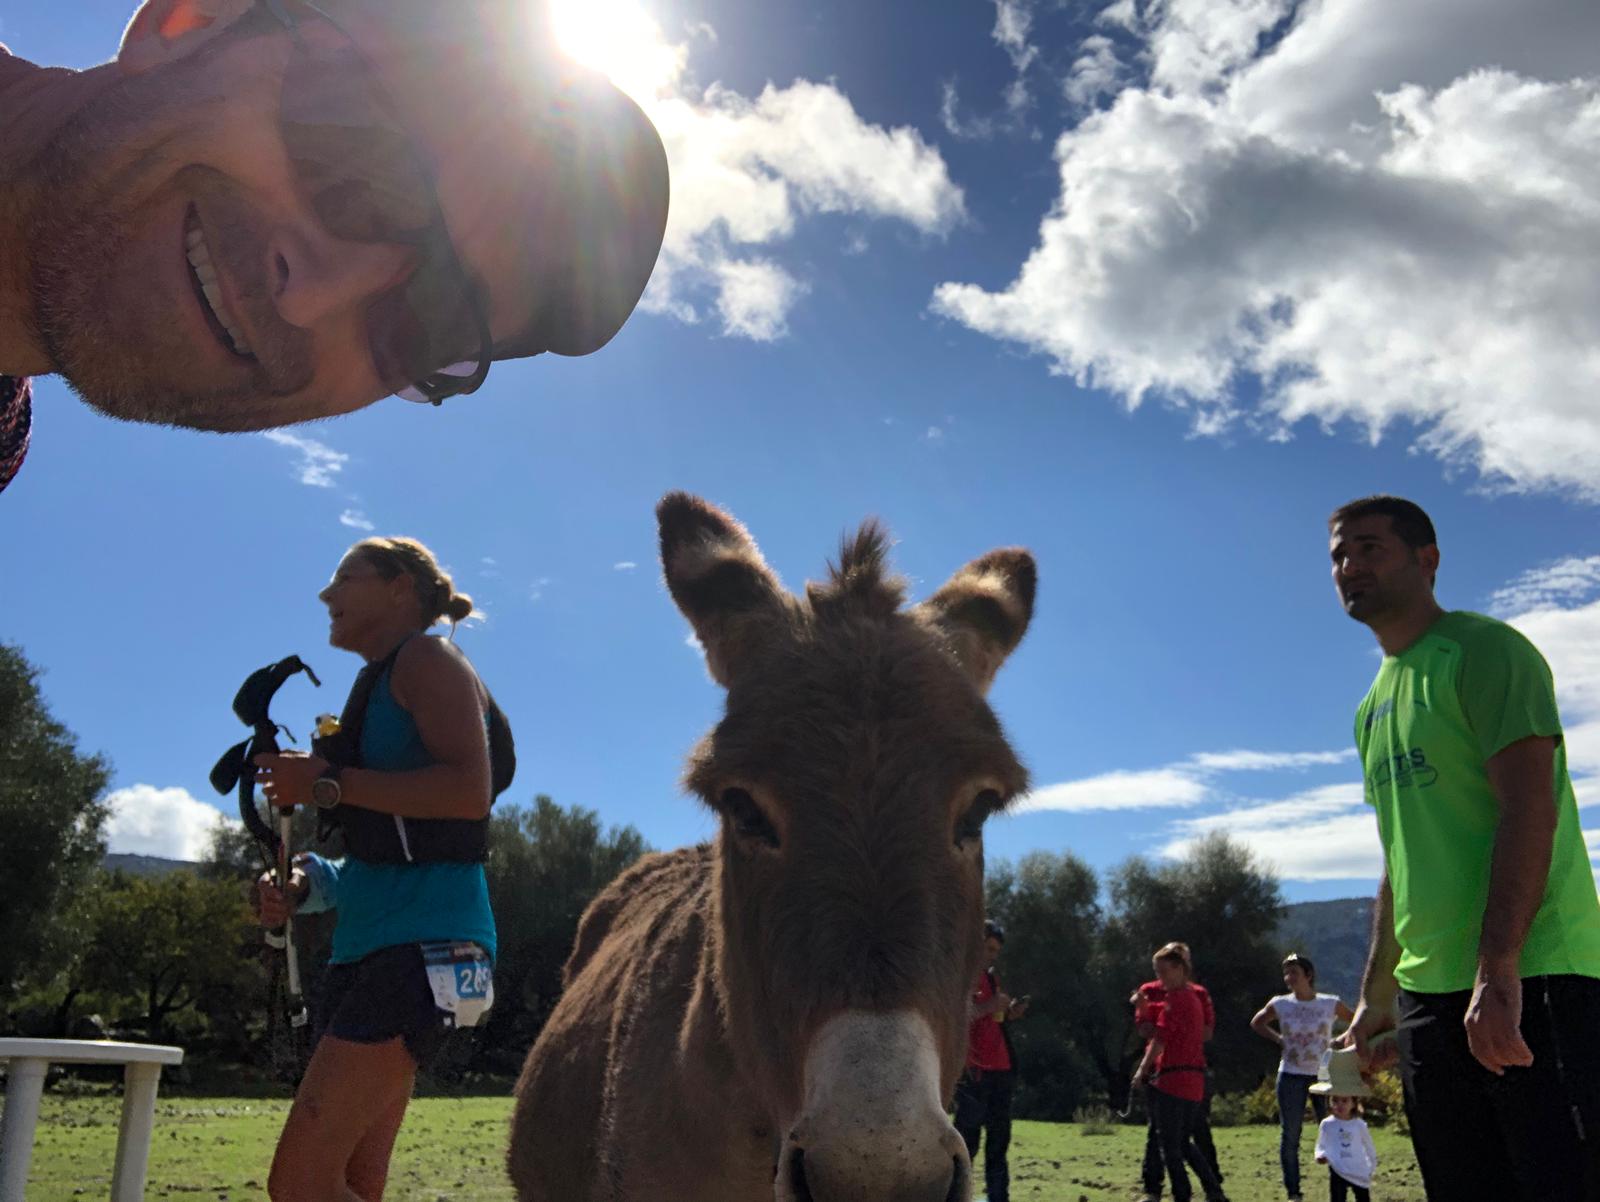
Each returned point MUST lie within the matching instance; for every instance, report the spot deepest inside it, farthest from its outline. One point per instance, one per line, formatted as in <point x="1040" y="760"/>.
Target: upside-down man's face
<point x="180" y="274"/>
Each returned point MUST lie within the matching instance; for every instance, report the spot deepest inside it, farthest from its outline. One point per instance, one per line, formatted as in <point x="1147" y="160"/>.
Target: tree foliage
<point x="169" y="945"/>
<point x="1079" y="950"/>
<point x="52" y="815"/>
<point x="546" y="864"/>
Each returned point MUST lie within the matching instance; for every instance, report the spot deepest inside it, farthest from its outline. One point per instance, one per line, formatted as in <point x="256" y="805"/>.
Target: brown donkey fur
<point x="852" y="771"/>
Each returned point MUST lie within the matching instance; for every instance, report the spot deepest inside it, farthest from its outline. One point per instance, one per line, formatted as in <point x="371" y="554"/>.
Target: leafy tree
<point x="1225" y="905"/>
<point x="1049" y="906"/>
<point x="52" y="815"/>
<point x="167" y="943"/>
<point x="546" y="864"/>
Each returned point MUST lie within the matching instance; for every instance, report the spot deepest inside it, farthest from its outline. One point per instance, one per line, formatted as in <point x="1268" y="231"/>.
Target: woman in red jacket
<point x="1175" y="1066"/>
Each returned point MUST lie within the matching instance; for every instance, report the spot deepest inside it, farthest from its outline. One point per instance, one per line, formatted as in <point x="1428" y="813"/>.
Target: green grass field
<point x="454" y="1148"/>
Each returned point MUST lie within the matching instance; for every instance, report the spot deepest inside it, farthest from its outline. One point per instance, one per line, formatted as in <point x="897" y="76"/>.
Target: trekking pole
<point x="235" y="770"/>
<point x="1127" y="1111"/>
<point x="298" y="1016"/>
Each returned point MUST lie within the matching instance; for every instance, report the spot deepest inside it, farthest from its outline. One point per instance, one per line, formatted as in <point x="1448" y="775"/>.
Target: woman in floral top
<point x="1304" y="1022"/>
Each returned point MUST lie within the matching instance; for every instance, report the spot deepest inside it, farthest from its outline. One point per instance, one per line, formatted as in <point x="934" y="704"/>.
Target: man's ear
<point x="165" y="30"/>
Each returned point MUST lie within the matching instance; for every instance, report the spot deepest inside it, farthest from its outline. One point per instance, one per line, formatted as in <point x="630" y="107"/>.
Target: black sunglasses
<point x="365" y="180"/>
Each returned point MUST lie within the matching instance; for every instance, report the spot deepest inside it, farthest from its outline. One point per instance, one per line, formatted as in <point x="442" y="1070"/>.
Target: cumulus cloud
<point x="1570" y="641"/>
<point x="1095" y="72"/>
<point x="171" y="822"/>
<point x="1327" y="833"/>
<point x="356" y="520"/>
<point x="1186" y="783"/>
<point x="1552" y="586"/>
<point x="754" y="298"/>
<point x="1013" y="21"/>
<point x="1156" y="788"/>
<point x="318" y="463"/>
<point x="746" y="171"/>
<point x="1375" y="219"/>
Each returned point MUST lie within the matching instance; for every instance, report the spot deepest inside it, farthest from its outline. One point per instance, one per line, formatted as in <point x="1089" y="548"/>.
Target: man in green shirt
<point x="1486" y="935"/>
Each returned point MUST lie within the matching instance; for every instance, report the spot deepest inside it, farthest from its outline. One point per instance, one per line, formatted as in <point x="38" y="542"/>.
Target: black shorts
<point x="382" y="997"/>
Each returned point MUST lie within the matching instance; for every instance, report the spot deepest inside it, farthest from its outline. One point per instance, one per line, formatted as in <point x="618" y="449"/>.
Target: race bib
<point x="462" y="980"/>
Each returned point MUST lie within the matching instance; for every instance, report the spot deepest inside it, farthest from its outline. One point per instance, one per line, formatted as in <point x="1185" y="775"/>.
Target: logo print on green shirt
<point x="1404" y="770"/>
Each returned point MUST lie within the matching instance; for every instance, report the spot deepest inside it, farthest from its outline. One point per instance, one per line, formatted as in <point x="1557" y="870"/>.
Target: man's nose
<point x="315" y="277"/>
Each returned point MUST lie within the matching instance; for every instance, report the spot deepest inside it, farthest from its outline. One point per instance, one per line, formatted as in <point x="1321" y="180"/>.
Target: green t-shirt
<point x="1467" y="689"/>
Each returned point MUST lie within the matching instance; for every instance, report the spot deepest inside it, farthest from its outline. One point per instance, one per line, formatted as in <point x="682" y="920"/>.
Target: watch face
<point x="325" y="792"/>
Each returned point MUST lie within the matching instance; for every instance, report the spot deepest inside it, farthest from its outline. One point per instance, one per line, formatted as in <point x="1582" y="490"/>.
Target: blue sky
<point x="1148" y="289"/>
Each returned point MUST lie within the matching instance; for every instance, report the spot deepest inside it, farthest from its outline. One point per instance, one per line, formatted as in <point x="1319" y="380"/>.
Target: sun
<point x="620" y="39"/>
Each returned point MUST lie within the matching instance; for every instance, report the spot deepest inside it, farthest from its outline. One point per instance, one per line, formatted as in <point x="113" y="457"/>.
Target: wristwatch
<point x="325" y="789"/>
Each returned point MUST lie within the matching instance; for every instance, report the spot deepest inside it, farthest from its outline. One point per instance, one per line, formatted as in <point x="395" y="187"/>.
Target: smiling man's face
<point x="181" y="273"/>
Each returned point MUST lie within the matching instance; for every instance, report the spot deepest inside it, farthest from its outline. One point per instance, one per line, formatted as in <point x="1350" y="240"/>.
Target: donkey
<point x="782" y="1014"/>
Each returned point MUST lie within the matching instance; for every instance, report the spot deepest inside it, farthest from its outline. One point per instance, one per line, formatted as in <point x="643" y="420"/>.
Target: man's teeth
<point x="206" y="273"/>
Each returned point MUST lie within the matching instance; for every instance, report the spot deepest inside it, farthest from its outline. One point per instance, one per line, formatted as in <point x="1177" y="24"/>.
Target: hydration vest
<point x="388" y="838"/>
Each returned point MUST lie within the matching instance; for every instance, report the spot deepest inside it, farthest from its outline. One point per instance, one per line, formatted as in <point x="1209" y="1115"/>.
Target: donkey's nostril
<point x="797" y="1176"/>
<point x="958" y="1181"/>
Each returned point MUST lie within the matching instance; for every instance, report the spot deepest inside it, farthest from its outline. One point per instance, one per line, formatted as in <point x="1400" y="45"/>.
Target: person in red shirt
<point x="983" y="1095"/>
<point x="1147" y="1001"/>
<point x="1174" y="1064"/>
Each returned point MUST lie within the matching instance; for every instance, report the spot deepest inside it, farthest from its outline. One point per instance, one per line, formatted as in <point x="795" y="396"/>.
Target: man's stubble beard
<point x="114" y="353"/>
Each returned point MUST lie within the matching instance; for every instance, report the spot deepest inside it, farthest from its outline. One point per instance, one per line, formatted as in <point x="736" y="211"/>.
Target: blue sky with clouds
<point x="1148" y="288"/>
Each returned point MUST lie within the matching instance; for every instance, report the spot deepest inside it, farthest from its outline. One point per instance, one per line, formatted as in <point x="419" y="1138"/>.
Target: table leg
<point x="139" y="1083"/>
<point x="24" y="1085"/>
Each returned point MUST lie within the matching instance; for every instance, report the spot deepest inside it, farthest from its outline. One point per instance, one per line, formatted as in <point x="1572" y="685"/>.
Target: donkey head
<point x="853" y="769"/>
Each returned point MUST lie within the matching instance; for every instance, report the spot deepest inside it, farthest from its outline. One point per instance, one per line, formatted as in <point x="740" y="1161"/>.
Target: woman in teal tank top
<point x="415" y="940"/>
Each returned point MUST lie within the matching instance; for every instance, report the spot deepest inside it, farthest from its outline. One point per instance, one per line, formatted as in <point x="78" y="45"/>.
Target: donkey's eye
<point x="970" y="825"/>
<point x="749" y="822"/>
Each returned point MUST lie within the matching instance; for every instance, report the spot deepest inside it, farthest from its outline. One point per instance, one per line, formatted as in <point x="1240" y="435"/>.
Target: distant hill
<point x="143" y="865"/>
<point x="1333" y="934"/>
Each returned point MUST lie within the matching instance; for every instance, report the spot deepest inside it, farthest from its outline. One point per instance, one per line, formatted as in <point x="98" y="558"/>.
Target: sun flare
<point x="620" y="39"/>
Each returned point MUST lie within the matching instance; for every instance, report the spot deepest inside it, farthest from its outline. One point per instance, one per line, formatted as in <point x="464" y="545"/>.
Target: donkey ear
<point x="984" y="610"/>
<point x="718" y="578"/>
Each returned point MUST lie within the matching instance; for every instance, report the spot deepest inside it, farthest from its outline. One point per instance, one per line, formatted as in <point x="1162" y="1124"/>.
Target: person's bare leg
<point x="368" y="1169"/>
<point x="350" y="1094"/>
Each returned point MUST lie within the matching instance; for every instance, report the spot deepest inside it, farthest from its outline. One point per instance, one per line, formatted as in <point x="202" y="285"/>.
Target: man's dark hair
<point x="993" y="930"/>
<point x="1413" y="526"/>
<point x="1305" y="964"/>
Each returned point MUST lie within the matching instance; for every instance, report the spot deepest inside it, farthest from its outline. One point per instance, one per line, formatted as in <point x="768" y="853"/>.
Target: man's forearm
<point x="1378" y="986"/>
<point x="1522" y="778"/>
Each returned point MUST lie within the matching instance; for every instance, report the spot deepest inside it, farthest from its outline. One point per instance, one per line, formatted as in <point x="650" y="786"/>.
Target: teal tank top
<point x="381" y="905"/>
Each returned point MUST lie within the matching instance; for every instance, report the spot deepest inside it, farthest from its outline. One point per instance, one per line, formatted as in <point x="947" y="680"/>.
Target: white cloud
<point x="1570" y="641"/>
<point x="536" y="589"/>
<point x="150" y="821"/>
<point x="1185" y="783"/>
<point x="1013" y="21"/>
<point x="1122" y="14"/>
<point x="1268" y="761"/>
<point x="626" y="565"/>
<point x="1382" y="219"/>
<point x="1321" y="834"/>
<point x="318" y="463"/>
<point x="935" y="434"/>
<point x="1572" y="579"/>
<point x="1156" y="788"/>
<point x="1095" y="72"/>
<point x="1329" y="833"/>
<point x="356" y="519"/>
<point x="746" y="171"/>
<point x="755" y="297"/>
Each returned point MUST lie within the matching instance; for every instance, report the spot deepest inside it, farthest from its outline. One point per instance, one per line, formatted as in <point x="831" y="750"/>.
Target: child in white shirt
<point x="1345" y="1145"/>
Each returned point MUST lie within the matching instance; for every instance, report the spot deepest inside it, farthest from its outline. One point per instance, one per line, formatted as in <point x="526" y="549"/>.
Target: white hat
<point x="1340" y="1075"/>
